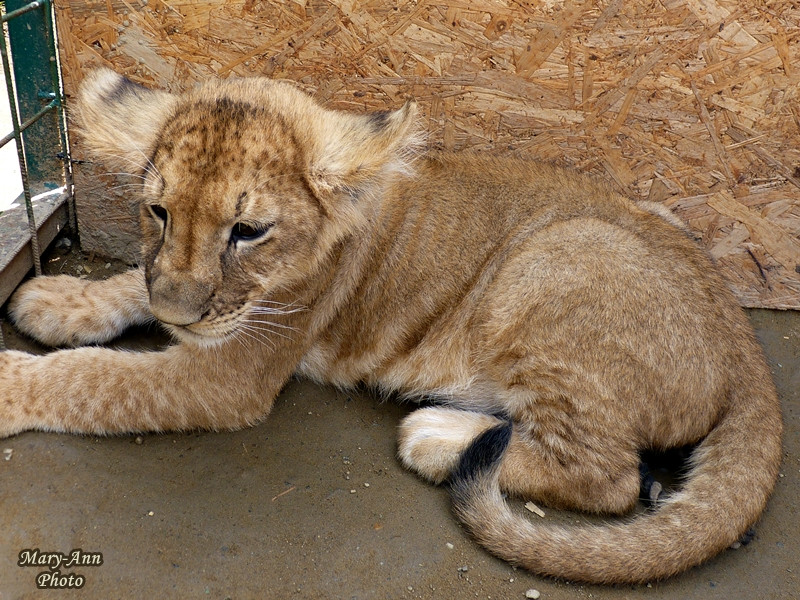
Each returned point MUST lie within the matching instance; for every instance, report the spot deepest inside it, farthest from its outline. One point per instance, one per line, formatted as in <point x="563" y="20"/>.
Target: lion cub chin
<point x="559" y="328"/>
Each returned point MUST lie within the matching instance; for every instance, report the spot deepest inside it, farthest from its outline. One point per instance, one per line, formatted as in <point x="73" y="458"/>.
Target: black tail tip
<point x="482" y="454"/>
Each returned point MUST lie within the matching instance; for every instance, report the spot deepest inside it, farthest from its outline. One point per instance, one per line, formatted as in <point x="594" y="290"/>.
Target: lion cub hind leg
<point x="66" y="311"/>
<point x="572" y="467"/>
<point x="583" y="474"/>
<point x="432" y="439"/>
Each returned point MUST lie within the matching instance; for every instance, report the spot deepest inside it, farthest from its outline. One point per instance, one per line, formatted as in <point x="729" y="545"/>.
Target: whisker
<point x="275" y="311"/>
<point x="266" y="330"/>
<point x="270" y="332"/>
<point x="124" y="173"/>
<point x="265" y="337"/>
<point x="130" y="184"/>
<point x="270" y="324"/>
<point x="273" y="302"/>
<point x="261" y="339"/>
<point x="123" y="186"/>
<point x="238" y="339"/>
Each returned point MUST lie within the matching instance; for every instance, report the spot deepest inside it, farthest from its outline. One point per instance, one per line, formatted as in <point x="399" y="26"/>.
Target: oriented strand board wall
<point x="693" y="103"/>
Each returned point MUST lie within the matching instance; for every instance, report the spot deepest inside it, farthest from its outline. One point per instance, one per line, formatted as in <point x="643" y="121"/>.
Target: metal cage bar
<point x="36" y="101"/>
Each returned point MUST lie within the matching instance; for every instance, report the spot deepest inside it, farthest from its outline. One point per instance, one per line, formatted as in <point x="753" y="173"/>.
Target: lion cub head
<point x="248" y="184"/>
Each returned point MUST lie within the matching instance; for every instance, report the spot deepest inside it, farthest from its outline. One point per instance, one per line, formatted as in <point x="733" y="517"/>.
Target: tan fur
<point x="501" y="287"/>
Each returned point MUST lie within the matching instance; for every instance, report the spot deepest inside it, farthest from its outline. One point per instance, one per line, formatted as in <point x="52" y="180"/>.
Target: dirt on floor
<point x="312" y="504"/>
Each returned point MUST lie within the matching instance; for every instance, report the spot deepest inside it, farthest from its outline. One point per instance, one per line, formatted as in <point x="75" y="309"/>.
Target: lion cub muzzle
<point x="179" y="300"/>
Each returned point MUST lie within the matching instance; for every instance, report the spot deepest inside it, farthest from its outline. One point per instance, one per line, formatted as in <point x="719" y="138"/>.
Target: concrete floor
<point x="313" y="504"/>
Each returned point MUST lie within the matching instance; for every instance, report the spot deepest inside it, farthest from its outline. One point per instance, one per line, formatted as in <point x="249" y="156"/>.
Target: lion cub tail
<point x="733" y="472"/>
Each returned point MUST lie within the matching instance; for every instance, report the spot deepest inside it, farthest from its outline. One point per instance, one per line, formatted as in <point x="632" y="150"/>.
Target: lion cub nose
<point x="178" y="301"/>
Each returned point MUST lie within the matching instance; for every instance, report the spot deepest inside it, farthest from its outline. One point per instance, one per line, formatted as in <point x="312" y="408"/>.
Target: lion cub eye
<point x="159" y="213"/>
<point x="249" y="232"/>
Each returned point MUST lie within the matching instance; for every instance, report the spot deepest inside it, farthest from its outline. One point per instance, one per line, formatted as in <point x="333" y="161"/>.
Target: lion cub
<point x="559" y="328"/>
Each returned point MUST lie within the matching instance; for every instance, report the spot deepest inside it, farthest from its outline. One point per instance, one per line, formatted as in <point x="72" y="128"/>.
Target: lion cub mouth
<point x="263" y="322"/>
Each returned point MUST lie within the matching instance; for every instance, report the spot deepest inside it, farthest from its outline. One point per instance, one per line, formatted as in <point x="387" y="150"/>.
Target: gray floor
<point x="313" y="504"/>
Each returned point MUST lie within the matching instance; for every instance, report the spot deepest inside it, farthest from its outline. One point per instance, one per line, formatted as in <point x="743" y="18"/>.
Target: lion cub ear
<point x="119" y="120"/>
<point x="353" y="153"/>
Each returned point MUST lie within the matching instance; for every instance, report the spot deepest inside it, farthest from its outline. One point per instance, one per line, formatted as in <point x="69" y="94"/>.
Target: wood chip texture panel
<point x="690" y="103"/>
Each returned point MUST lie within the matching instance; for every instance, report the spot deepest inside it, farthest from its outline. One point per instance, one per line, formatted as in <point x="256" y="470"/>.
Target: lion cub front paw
<point x="64" y="311"/>
<point x="45" y="309"/>
<point x="431" y="440"/>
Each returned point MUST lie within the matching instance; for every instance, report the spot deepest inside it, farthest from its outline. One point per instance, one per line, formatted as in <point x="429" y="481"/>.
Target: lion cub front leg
<point x="66" y="311"/>
<point x="101" y="391"/>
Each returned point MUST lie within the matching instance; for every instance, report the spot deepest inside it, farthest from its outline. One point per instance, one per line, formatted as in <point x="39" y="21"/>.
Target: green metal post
<point x="26" y="190"/>
<point x="32" y="44"/>
<point x="61" y="116"/>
